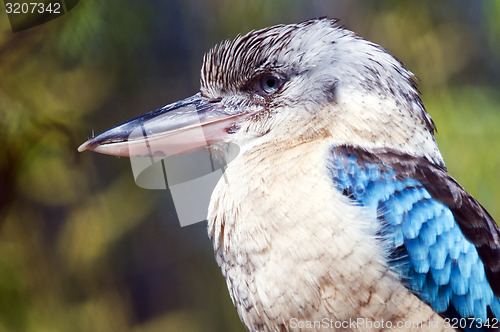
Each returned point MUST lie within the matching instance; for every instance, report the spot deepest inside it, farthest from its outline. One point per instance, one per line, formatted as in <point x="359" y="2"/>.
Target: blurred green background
<point x="82" y="248"/>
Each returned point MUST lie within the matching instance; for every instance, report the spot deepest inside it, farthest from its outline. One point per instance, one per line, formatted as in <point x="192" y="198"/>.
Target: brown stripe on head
<point x="229" y="65"/>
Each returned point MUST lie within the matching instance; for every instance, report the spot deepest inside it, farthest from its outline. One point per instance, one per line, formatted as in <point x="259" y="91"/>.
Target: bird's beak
<point x="182" y="127"/>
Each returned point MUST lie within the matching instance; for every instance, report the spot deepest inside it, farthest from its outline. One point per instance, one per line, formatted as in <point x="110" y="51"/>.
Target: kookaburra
<point x="337" y="212"/>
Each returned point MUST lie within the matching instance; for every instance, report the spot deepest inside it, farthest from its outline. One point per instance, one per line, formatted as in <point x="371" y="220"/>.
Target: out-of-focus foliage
<point x="84" y="249"/>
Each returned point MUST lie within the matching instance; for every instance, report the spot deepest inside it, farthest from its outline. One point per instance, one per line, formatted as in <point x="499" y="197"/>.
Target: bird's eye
<point x="269" y="84"/>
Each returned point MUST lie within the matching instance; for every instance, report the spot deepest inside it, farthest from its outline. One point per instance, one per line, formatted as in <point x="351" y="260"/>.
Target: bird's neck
<point x="367" y="121"/>
<point x="377" y="122"/>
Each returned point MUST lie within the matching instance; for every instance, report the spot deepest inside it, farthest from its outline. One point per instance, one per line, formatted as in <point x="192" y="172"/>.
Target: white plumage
<point x="288" y="243"/>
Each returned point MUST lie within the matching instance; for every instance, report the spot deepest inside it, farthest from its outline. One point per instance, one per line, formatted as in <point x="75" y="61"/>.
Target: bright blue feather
<point x="434" y="259"/>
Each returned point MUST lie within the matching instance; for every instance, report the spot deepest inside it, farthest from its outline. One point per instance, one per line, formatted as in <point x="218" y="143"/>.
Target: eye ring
<point x="269" y="84"/>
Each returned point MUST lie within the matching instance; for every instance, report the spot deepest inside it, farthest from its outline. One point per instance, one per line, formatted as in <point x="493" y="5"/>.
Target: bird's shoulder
<point x="441" y="240"/>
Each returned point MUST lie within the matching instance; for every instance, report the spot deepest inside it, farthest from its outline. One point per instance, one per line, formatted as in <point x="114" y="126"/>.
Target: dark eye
<point x="270" y="83"/>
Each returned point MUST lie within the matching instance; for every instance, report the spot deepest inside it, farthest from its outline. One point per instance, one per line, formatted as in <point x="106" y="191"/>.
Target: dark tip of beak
<point x="90" y="144"/>
<point x="84" y="146"/>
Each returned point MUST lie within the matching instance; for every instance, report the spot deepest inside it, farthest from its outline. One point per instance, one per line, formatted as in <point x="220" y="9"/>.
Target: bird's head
<point x="285" y="85"/>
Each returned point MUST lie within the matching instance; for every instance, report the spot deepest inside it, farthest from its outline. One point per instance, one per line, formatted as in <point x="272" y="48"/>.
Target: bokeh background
<point x="82" y="248"/>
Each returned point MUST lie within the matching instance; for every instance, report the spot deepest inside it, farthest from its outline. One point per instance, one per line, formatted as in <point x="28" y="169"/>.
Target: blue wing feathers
<point x="437" y="257"/>
<point x="429" y="250"/>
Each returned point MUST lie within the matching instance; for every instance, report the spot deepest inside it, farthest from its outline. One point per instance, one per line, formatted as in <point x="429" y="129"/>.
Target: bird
<point x="337" y="211"/>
